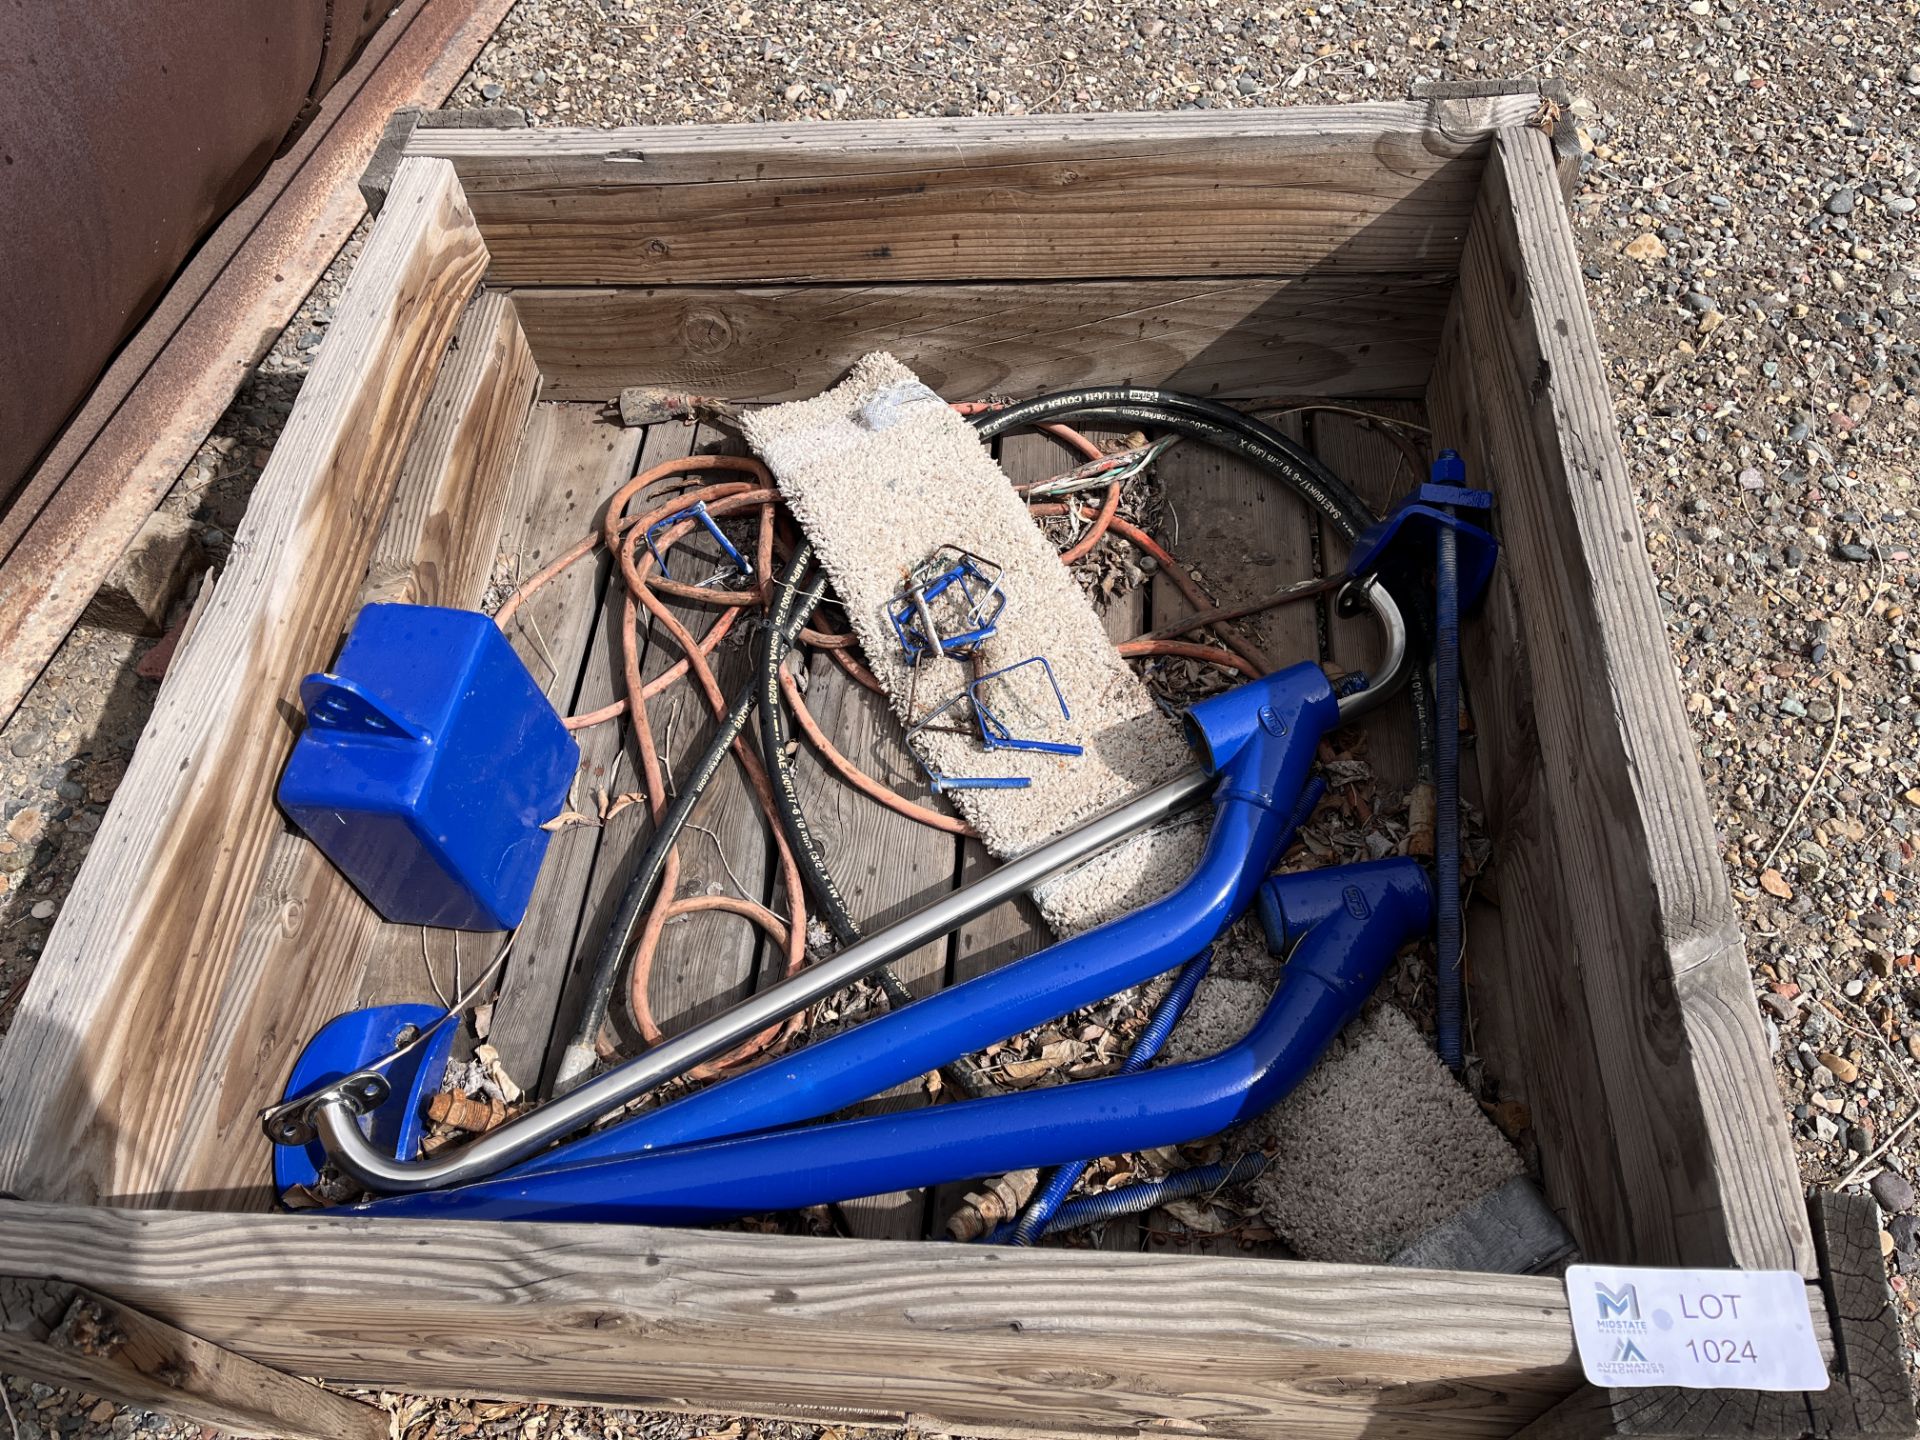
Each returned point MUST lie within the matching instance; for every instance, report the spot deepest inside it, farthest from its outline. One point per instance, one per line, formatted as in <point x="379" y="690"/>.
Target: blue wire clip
<point x="697" y="511"/>
<point x="979" y="602"/>
<point x="994" y="733"/>
<point x="940" y="782"/>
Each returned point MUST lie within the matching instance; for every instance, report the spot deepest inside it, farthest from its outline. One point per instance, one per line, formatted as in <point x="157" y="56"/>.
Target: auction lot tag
<point x="1696" y="1329"/>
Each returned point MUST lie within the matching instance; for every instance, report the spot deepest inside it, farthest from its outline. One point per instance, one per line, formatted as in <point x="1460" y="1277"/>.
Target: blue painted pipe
<point x="1058" y="1183"/>
<point x="1446" y="784"/>
<point x="1259" y="738"/>
<point x="1346" y="924"/>
<point x="1035" y="1220"/>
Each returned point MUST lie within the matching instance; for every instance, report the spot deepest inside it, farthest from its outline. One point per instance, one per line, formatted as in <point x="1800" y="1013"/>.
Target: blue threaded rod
<point x="1053" y="1190"/>
<point x="1446" y="685"/>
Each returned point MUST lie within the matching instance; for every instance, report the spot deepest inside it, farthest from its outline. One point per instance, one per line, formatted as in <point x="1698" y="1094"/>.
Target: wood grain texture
<point x="1681" y="1095"/>
<point x="1048" y="1341"/>
<point x="453" y="485"/>
<point x="1872" y="1389"/>
<point x="121" y="1007"/>
<point x="1325" y="335"/>
<point x="1381" y="188"/>
<point x="570" y="469"/>
<point x="435" y="547"/>
<point x="61" y="1334"/>
<point x="886" y="866"/>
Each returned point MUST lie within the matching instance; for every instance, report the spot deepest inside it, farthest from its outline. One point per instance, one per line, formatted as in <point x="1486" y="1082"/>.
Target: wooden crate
<point x="1415" y="253"/>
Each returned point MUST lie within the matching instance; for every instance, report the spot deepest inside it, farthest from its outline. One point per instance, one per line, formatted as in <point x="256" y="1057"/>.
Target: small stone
<point x="1900" y="204"/>
<point x="102" y="1413"/>
<point x="1844" y="1070"/>
<point x="1648" y="247"/>
<point x="27" y="826"/>
<point x="30" y="741"/>
<point x="1855" y="554"/>
<point x="1824" y="1128"/>
<point x="1905" y="1230"/>
<point x="793" y="92"/>
<point x="1711" y="321"/>
<point x="1840" y="202"/>
<point x="1793" y="706"/>
<point x="1246" y="85"/>
<point x="1893" y="1192"/>
<point x="1820" y="710"/>
<point x="45" y="910"/>
<point x="492" y="90"/>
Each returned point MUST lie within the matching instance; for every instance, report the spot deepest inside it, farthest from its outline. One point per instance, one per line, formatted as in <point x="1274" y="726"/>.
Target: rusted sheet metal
<point x="130" y="128"/>
<point x="149" y="413"/>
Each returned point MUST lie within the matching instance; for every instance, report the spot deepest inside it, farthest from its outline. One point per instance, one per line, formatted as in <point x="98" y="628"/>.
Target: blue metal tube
<point x="1446" y="784"/>
<point x="1059" y="1183"/>
<point x="1349" y="921"/>
<point x="1259" y="739"/>
<point x="1035" y="1220"/>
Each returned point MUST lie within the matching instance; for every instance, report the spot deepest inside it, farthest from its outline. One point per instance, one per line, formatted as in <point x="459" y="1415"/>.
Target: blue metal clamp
<point x="981" y="602"/>
<point x="994" y="733"/>
<point x="1405" y="539"/>
<point x="697" y="511"/>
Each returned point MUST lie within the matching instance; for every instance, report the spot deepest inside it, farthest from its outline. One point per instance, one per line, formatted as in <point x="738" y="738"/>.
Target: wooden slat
<point x="1355" y="189"/>
<point x="567" y="480"/>
<point x="707" y="962"/>
<point x="1319" y="335"/>
<point x="453" y="485"/>
<point x="96" y="1070"/>
<point x="886" y="866"/>
<point x="61" y="1334"/>
<point x="174" y="376"/>
<point x="1643" y="948"/>
<point x="1050" y="1341"/>
<point x="435" y="548"/>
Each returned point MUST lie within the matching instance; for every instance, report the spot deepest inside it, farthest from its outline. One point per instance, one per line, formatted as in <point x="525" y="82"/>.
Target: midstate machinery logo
<point x="1620" y="1316"/>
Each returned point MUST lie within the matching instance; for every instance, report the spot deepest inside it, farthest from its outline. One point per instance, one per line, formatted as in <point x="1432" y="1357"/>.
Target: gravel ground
<point x="1747" y="221"/>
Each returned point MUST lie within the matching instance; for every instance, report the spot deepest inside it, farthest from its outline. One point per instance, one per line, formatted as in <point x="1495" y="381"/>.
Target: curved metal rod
<point x="334" y="1113"/>
<point x="1393" y="631"/>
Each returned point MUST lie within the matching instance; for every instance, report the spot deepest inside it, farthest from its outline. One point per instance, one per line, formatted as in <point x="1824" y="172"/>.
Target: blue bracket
<point x="911" y="611"/>
<point x="350" y="1043"/>
<point x="697" y="511"/>
<point x="994" y="733"/>
<point x="1404" y="541"/>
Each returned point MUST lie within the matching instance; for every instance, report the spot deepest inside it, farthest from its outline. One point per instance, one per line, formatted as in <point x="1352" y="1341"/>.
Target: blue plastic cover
<point x="429" y="763"/>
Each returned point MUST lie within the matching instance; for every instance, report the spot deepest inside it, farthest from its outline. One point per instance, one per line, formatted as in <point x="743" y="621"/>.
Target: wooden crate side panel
<point x="1681" y="1089"/>
<point x="1358" y="189"/>
<point x="95" y="1076"/>
<point x="1230" y="339"/>
<point x="1053" y="1341"/>
<point x="60" y="1334"/>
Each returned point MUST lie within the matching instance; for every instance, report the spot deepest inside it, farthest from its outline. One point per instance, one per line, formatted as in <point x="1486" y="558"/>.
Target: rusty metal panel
<point x="128" y="129"/>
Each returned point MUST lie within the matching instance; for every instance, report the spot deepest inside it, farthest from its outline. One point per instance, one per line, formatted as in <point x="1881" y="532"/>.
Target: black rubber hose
<point x="778" y="641"/>
<point x="638" y="895"/>
<point x="1227" y="429"/>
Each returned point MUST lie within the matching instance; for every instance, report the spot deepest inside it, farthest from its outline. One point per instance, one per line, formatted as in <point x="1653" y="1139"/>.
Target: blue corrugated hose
<point x="1147" y="1195"/>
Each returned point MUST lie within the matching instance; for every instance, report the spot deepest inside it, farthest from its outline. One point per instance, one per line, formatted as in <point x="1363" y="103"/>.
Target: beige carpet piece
<point x="881" y="473"/>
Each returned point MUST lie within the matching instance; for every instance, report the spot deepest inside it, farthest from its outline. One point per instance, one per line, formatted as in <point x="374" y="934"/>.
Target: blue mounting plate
<point x="351" y="1042"/>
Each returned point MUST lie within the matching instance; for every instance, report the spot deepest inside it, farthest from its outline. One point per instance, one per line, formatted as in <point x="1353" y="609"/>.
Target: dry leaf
<point x="1774" y="883"/>
<point x="569" y="817"/>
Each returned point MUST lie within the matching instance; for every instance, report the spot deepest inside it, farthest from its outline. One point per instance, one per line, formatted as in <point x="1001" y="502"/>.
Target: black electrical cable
<point x="1239" y="434"/>
<point x="778" y="641"/>
<point x="638" y="895"/>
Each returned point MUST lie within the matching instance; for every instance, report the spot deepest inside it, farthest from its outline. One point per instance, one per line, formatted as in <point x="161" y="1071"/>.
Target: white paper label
<point x="1696" y="1329"/>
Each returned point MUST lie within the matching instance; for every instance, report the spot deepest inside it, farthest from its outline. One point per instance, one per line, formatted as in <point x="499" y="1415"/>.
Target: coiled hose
<point x="1264" y="447"/>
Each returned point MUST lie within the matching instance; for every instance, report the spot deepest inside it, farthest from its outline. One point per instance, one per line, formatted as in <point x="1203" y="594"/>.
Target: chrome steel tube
<point x="336" y="1118"/>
